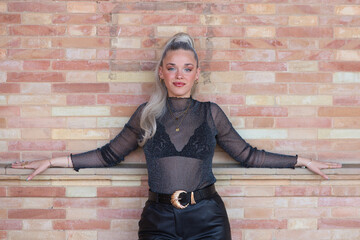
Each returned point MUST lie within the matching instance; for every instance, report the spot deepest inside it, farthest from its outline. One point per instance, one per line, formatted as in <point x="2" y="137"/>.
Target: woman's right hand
<point x="39" y="166"/>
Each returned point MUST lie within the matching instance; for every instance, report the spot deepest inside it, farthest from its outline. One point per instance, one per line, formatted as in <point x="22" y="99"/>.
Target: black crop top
<point x="182" y="160"/>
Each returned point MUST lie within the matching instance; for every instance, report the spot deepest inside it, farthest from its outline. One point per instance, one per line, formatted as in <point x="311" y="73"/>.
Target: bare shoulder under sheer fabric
<point x="182" y="159"/>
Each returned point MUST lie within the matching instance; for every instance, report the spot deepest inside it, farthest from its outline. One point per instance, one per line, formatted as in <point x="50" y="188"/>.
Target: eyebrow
<point x="186" y="64"/>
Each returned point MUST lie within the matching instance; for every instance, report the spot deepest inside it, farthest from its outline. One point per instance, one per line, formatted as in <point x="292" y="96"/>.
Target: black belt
<point x="181" y="199"/>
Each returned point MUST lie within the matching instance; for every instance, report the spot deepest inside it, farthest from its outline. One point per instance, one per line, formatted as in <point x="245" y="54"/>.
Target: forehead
<point x="179" y="57"/>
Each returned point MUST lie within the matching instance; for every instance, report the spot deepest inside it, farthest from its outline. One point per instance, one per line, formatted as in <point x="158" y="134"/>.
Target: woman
<point x="179" y="135"/>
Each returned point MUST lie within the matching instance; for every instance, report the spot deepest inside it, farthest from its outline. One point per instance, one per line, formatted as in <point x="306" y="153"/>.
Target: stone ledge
<point x="136" y="172"/>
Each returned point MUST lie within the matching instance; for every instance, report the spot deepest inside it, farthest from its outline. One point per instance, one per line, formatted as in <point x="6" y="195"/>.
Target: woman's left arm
<point x="316" y="166"/>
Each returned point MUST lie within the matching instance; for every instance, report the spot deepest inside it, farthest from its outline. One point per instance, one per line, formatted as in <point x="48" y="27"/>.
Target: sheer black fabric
<point x="182" y="159"/>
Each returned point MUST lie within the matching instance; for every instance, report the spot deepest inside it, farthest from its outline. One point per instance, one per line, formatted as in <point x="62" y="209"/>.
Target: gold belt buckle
<point x="175" y="197"/>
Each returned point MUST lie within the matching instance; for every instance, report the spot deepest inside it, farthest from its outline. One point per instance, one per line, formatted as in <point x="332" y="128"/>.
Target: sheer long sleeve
<point x="229" y="140"/>
<point x="114" y="152"/>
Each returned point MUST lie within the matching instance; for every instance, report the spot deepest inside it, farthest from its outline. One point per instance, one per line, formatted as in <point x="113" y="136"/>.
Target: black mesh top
<point x="182" y="159"/>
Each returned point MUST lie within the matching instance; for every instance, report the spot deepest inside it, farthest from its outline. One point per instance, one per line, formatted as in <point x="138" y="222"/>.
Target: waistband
<point x="181" y="199"/>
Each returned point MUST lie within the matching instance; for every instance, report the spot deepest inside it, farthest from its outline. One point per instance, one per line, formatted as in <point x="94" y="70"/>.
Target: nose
<point x="179" y="75"/>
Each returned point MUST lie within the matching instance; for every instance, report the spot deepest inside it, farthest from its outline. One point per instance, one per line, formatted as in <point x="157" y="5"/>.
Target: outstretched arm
<point x="41" y="165"/>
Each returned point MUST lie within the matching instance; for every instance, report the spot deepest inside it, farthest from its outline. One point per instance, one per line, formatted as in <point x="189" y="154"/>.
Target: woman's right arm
<point x="41" y="165"/>
<point x="106" y="156"/>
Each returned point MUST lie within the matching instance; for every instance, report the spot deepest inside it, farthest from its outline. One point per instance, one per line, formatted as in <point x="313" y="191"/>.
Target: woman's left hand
<point x="316" y="166"/>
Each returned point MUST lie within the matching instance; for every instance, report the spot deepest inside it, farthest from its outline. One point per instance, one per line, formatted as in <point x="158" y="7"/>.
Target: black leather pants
<point x="205" y="220"/>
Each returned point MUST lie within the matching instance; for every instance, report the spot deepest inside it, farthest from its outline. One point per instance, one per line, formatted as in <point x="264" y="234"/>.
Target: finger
<point x="36" y="172"/>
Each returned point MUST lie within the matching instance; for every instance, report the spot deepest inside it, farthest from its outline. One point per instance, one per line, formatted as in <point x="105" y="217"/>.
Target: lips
<point x="179" y="84"/>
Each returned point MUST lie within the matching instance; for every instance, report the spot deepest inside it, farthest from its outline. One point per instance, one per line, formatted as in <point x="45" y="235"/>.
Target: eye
<point x="187" y="69"/>
<point x="170" y="69"/>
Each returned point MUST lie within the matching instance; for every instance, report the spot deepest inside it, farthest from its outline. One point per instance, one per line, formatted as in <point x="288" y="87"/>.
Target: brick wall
<point x="286" y="72"/>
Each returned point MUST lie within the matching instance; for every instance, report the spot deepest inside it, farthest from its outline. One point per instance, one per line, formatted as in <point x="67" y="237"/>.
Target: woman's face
<point x="179" y="71"/>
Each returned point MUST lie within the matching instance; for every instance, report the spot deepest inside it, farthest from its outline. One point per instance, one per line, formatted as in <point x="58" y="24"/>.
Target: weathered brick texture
<point x="287" y="73"/>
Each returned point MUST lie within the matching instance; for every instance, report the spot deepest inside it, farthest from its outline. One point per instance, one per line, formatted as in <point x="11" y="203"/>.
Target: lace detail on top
<point x="182" y="160"/>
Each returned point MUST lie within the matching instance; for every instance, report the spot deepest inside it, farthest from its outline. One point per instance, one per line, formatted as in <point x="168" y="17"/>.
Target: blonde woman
<point x="179" y="135"/>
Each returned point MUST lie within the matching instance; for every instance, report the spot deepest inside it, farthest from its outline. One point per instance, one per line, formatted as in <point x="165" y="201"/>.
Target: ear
<point x="161" y="74"/>
<point x="198" y="73"/>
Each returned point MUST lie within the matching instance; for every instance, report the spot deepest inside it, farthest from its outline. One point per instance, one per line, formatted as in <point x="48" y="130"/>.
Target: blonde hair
<point x="156" y="106"/>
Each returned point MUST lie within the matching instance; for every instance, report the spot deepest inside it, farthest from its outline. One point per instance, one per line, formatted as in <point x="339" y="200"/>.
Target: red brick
<point x="304" y="89"/>
<point x="293" y="9"/>
<point x="122" y="99"/>
<point x="10" y="224"/>
<point x="296" y="145"/>
<point x="10" y="18"/>
<point x="188" y="20"/>
<point x="119" y="213"/>
<point x="36" y="65"/>
<point x="347" y="100"/>
<point x="339" y="202"/>
<point x="304" y="77"/>
<point x="159" y="19"/>
<point x="36" y="53"/>
<point x="302" y="191"/>
<point x="258" y="43"/>
<point x="260" y="88"/>
<point x="222" y="55"/>
<point x="81" y="203"/>
<point x="259" y="111"/>
<point x="346" y="122"/>
<point x="36" y="7"/>
<point x="259" y="20"/>
<point x="131" y="88"/>
<point x="223" y="99"/>
<point x="339" y="44"/>
<point x="2" y="122"/>
<point x="36" y="191"/>
<point x="122" y="111"/>
<point x="37" y="122"/>
<point x="339" y="20"/>
<point x="131" y="54"/>
<point x="73" y="42"/>
<point x="346" y="191"/>
<point x="305" y="32"/>
<point x="303" y="122"/>
<point x="10" y="65"/>
<point x="258" y="224"/>
<point x="259" y="122"/>
<point x="75" y="100"/>
<point x="230" y="191"/>
<point x="303" y="44"/>
<point x="80" y="88"/>
<point x="126" y="31"/>
<point x="9" y="111"/>
<point x="329" y="223"/>
<point x="35" y="77"/>
<point x="2" y="191"/>
<point x="9" y="88"/>
<point x="339" y="111"/>
<point x="7" y="157"/>
<point x="214" y="66"/>
<point x="227" y="8"/>
<point x="340" y="66"/>
<point x="258" y="66"/>
<point x="80" y="65"/>
<point x="10" y="42"/>
<point x="225" y="31"/>
<point x="307" y="212"/>
<point x="37" y="30"/>
<point x="81" y="224"/>
<point x="81" y="19"/>
<point x="36" y="213"/>
<point x="305" y="55"/>
<point x="37" y="145"/>
<point x="122" y="191"/>
<point x="3" y="235"/>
